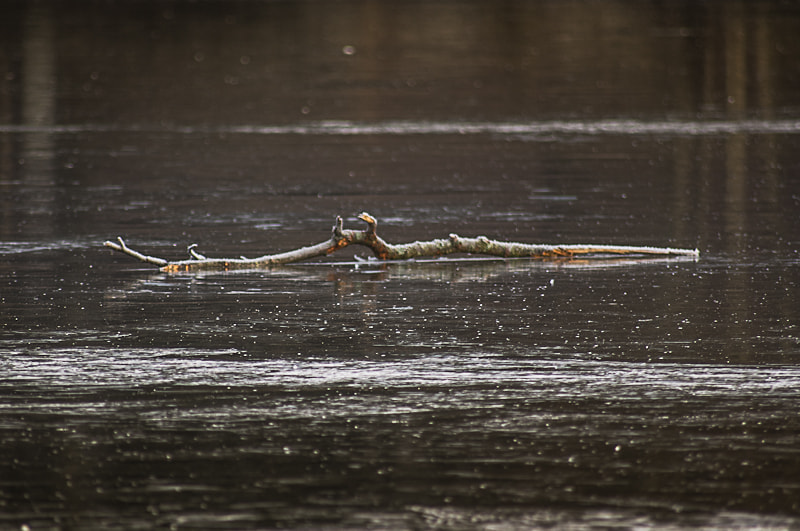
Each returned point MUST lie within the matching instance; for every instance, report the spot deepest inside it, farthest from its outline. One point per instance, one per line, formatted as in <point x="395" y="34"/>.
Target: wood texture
<point x="341" y="237"/>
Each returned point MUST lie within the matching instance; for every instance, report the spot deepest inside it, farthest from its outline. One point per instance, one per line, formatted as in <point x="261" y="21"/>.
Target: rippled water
<point x="346" y="128"/>
<point x="348" y="393"/>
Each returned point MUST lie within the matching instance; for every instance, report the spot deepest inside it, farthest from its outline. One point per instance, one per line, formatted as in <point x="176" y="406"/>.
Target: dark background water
<point x="444" y="394"/>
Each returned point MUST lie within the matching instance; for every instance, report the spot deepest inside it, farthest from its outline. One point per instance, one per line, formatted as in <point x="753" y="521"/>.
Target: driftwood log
<point x="341" y="237"/>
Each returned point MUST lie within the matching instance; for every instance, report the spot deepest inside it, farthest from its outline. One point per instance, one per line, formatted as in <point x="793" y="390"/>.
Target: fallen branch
<point x="341" y="237"/>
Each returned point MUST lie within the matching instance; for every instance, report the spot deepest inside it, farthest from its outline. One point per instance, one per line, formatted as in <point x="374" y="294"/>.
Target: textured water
<point x="346" y="393"/>
<point x="531" y="130"/>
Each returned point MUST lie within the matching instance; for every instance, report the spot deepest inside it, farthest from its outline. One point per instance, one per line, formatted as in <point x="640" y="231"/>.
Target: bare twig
<point x="121" y="247"/>
<point x="341" y="237"/>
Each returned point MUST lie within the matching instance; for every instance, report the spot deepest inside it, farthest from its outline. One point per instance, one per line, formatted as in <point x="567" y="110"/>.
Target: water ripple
<point x="402" y="127"/>
<point x="119" y="368"/>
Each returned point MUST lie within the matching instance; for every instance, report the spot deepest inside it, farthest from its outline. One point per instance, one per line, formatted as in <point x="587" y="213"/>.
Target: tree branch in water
<point x="341" y="238"/>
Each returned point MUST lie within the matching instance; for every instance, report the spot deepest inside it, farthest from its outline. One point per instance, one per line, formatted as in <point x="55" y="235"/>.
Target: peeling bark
<point x="341" y="237"/>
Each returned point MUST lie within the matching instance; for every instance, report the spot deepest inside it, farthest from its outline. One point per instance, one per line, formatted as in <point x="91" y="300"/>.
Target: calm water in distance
<point x="451" y="394"/>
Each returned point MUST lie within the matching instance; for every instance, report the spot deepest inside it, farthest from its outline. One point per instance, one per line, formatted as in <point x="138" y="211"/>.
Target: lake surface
<point x="438" y="394"/>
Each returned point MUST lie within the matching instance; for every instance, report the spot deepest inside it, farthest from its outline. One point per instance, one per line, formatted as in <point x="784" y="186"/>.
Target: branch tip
<point x="338" y="227"/>
<point x="372" y="223"/>
<point x="194" y="254"/>
<point x="123" y="248"/>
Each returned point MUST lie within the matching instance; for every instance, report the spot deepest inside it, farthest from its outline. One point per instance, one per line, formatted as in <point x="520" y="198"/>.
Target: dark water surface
<point x="444" y="394"/>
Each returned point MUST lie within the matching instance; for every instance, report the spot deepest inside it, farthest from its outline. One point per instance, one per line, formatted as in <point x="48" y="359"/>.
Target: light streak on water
<point x="401" y="127"/>
<point x="115" y="368"/>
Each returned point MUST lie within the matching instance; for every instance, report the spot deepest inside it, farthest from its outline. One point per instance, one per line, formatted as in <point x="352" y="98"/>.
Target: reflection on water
<point x="518" y="130"/>
<point x="231" y="62"/>
<point x="351" y="394"/>
<point x="82" y="370"/>
<point x="480" y="438"/>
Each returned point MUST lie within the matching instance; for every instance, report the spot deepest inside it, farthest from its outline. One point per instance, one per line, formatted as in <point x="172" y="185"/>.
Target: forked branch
<point x="341" y="237"/>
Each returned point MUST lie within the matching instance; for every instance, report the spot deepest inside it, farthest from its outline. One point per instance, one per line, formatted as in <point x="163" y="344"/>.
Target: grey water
<point x="347" y="393"/>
